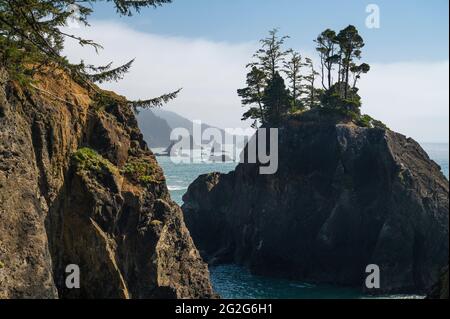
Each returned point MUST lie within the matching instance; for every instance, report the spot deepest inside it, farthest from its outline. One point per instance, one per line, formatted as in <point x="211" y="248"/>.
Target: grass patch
<point x="2" y="265"/>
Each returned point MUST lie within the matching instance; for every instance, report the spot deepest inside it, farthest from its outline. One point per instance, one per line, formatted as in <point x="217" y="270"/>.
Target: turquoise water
<point x="232" y="281"/>
<point x="180" y="176"/>
<point x="235" y="282"/>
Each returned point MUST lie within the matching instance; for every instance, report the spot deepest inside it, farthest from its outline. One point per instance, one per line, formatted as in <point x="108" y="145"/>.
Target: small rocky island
<point x="348" y="193"/>
<point x="345" y="196"/>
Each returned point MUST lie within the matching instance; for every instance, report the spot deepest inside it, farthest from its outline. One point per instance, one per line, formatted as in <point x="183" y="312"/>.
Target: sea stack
<point x="345" y="196"/>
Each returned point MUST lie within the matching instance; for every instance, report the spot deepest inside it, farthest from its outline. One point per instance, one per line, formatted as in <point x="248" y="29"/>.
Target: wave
<point x="177" y="188"/>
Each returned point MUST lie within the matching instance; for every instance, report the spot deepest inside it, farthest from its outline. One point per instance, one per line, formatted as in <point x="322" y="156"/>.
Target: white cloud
<point x="411" y="98"/>
<point x="209" y="72"/>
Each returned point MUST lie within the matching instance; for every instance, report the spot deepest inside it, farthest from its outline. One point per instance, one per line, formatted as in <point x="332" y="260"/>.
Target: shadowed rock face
<point x="78" y="185"/>
<point x="440" y="289"/>
<point x="344" y="197"/>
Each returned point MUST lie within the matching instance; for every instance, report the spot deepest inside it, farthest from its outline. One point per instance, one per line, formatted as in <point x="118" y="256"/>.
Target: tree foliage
<point x="350" y="43"/>
<point x="276" y="99"/>
<point x="357" y="70"/>
<point x="154" y="102"/>
<point x="253" y="94"/>
<point x="326" y="46"/>
<point x="106" y="74"/>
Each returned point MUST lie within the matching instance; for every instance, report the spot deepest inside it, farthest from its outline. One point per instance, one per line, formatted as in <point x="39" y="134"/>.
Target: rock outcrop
<point x="440" y="289"/>
<point x="78" y="186"/>
<point x="344" y="197"/>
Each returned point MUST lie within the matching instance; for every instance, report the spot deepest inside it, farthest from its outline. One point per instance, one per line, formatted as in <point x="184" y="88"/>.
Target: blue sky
<point x="203" y="47"/>
<point x="411" y="30"/>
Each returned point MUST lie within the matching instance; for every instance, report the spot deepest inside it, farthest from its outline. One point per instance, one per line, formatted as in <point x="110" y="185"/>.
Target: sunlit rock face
<point x="78" y="185"/>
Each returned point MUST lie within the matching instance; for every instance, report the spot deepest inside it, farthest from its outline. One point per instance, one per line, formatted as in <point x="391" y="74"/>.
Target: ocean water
<point x="438" y="152"/>
<point x="180" y="176"/>
<point x="232" y="281"/>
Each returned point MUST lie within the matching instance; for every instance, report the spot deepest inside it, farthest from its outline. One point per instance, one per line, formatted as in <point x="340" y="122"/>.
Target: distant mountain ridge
<point x="155" y="129"/>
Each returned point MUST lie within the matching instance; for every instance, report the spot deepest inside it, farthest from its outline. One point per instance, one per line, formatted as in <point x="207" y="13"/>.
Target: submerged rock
<point x="78" y="185"/>
<point x="344" y="197"/>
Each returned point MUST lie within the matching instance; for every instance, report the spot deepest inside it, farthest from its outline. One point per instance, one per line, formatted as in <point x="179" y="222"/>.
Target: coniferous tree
<point x="311" y="98"/>
<point x="268" y="61"/>
<point x="270" y="57"/>
<point x="327" y="47"/>
<point x="357" y="70"/>
<point x="276" y="100"/>
<point x="253" y="94"/>
<point x="32" y="39"/>
<point x="350" y="43"/>
<point x="292" y="69"/>
<point x="343" y="50"/>
<point x="339" y="51"/>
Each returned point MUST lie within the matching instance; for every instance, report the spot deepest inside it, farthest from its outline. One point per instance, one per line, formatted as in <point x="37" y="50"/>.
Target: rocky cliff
<point x="344" y="197"/>
<point x="78" y="185"/>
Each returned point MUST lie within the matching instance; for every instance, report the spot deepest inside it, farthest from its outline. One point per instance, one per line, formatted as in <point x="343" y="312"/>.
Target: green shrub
<point x="368" y="121"/>
<point x="87" y="159"/>
<point x="141" y="171"/>
<point x="332" y="99"/>
<point x="2" y="265"/>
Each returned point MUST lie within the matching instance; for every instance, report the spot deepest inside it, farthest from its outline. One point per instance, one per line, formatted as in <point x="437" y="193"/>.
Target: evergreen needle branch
<point x="155" y="102"/>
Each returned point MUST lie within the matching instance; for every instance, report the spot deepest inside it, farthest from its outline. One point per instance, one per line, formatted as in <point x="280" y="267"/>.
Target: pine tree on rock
<point x="311" y="98"/>
<point x="253" y="95"/>
<point x="292" y="69"/>
<point x="351" y="44"/>
<point x="327" y="47"/>
<point x="276" y="100"/>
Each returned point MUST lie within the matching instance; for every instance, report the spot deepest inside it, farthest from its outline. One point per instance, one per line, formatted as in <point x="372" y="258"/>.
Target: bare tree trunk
<point x="330" y="67"/>
<point x="346" y="80"/>
<point x="355" y="80"/>
<point x="262" y="112"/>
<point x="323" y="71"/>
